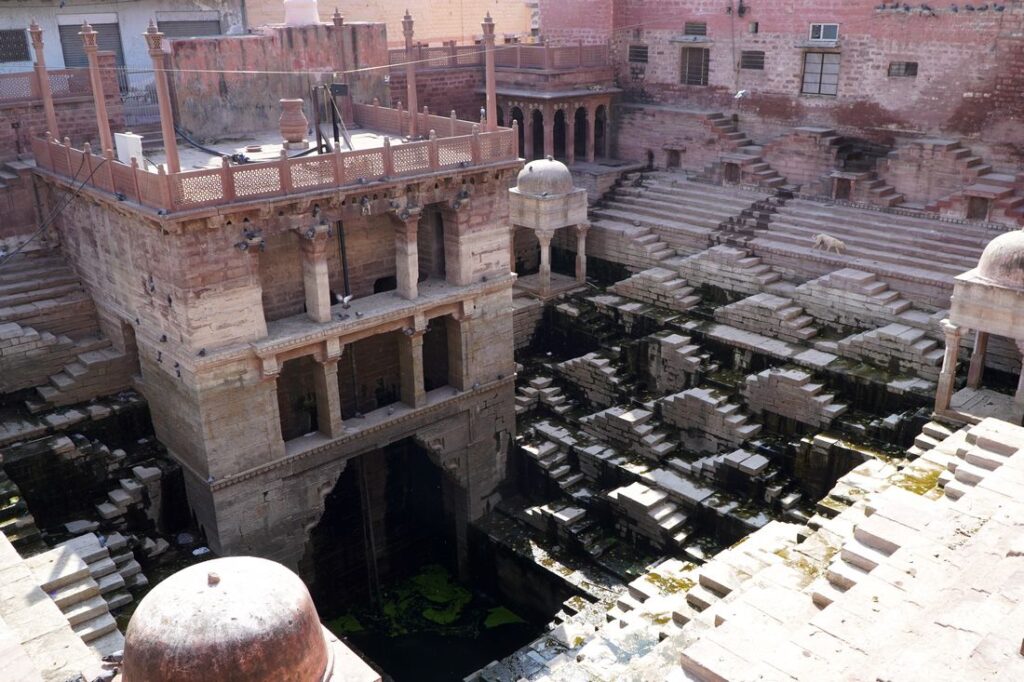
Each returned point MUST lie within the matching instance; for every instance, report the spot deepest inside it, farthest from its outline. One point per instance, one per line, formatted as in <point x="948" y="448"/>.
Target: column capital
<point x="270" y="368"/>
<point x="950" y="329"/>
<point x="544" y="236"/>
<point x="582" y="228"/>
<point x="154" y="39"/>
<point x="88" y="37"/>
<point x="36" y="34"/>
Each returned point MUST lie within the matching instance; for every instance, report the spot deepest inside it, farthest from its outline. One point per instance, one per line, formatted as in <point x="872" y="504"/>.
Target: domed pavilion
<point x="543" y="201"/>
<point x="990" y="300"/>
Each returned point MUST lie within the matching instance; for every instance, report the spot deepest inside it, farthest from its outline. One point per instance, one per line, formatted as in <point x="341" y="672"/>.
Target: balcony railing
<point x="23" y="86"/>
<point x="516" y="56"/>
<point x="455" y="144"/>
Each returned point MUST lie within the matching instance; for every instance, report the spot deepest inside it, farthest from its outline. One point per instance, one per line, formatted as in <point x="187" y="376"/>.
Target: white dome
<point x="544" y="178"/>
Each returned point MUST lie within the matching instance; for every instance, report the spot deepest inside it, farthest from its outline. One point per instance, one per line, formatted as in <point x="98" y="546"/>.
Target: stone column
<point x="512" y="249"/>
<point x="407" y="257"/>
<point x="947" y="377"/>
<point x="591" y="125"/>
<point x="163" y="96"/>
<point x="315" y="273"/>
<point x="269" y="374"/>
<point x="410" y="361"/>
<point x="44" y="79"/>
<point x="490" y="82"/>
<point x="977" y="368"/>
<point x="528" y="135"/>
<point x="328" y="398"/>
<point x="549" y="132"/>
<point x="410" y="74"/>
<point x="544" y="237"/>
<point x="570" y="139"/>
<point x="98" y="96"/>
<point x="581" y="252"/>
<point x="460" y="354"/>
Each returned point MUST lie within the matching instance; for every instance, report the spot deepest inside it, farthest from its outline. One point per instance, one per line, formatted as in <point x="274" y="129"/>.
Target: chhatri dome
<point x="544" y="178"/>
<point x="1002" y="262"/>
<point x="229" y="620"/>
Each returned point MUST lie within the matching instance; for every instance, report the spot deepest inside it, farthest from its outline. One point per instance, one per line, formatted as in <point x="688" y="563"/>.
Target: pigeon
<point x="345" y="301"/>
<point x="741" y="94"/>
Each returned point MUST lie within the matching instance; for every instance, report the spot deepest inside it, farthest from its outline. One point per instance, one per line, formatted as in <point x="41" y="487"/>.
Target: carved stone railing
<point x="455" y="144"/>
<point x="515" y="56"/>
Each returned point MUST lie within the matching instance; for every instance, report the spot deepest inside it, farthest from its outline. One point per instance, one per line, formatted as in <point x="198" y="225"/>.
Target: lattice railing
<point x="205" y="187"/>
<point x="23" y="86"/>
<point x="516" y="56"/>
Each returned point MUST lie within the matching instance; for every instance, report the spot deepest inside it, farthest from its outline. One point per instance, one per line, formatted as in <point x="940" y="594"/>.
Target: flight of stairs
<point x="659" y="287"/>
<point x="753" y="169"/>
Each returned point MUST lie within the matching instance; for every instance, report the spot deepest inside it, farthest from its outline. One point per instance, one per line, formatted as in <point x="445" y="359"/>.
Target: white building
<point x="120" y="26"/>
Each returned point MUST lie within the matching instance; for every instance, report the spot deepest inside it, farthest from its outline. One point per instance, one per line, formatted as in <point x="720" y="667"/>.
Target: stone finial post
<point x="43" y="78"/>
<point x="98" y="96"/>
<point x="154" y="39"/>
<point x="491" y="87"/>
<point x="337" y="19"/>
<point x="410" y="72"/>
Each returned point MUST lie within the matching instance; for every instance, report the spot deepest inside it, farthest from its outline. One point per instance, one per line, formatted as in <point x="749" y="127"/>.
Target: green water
<point x="430" y="628"/>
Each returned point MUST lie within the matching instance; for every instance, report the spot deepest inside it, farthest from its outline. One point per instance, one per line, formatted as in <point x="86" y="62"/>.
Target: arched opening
<point x="559" y="150"/>
<point x="517" y="116"/>
<point x="601" y="132"/>
<point x="537" y="121"/>
<point x="580" y="134"/>
<point x="501" y="116"/>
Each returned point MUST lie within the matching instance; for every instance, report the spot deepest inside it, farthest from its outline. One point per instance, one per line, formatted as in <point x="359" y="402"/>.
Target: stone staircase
<point x="854" y="299"/>
<point x="86" y="579"/>
<point x="791" y="393"/>
<point x="553" y="459"/>
<point x="898" y="347"/>
<point x="709" y="420"/>
<point x="16" y="523"/>
<point x="674" y="362"/>
<point x="595" y="377"/>
<point x="131" y="493"/>
<point x="729" y="268"/>
<point x="100" y="371"/>
<point x="771" y="315"/>
<point x="659" y="287"/>
<point x="647" y="511"/>
<point x="39" y="290"/>
<point x="742" y="152"/>
<point x="541" y="391"/>
<point x="632" y="430"/>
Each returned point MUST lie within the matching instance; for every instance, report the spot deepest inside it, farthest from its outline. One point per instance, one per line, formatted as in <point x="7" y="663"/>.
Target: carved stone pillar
<point x="98" y="96"/>
<point x="947" y="377"/>
<point x="163" y="96"/>
<point x="315" y="273"/>
<point x="407" y="259"/>
<point x="545" y="261"/>
<point x="44" y="79"/>
<point x="592" y="125"/>
<point x="410" y="73"/>
<point x="410" y="362"/>
<point x="528" y="135"/>
<point x="549" y="132"/>
<point x="269" y="373"/>
<point x="581" y="252"/>
<point x="570" y="139"/>
<point x="977" y="368"/>
<point x="490" y="87"/>
<point x="328" y="398"/>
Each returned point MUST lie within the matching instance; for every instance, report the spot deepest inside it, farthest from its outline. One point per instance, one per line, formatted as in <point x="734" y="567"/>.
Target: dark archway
<point x="559" y="133"/>
<point x="501" y="117"/>
<point x="517" y="116"/>
<point x="600" y="131"/>
<point x="537" y="120"/>
<point x="580" y="134"/>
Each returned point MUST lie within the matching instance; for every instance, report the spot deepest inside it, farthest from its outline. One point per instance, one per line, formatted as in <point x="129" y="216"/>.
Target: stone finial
<point x="37" y="35"/>
<point x="153" y="37"/>
<point x="88" y="36"/>
<point x="488" y="26"/>
<point x="407" y="24"/>
<point x="337" y="18"/>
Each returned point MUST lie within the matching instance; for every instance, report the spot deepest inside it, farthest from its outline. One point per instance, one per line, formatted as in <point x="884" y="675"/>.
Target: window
<point x="753" y="27"/>
<point x="821" y="73"/>
<point x="902" y="69"/>
<point x="694" y="66"/>
<point x="695" y="28"/>
<point x="189" y="29"/>
<point x="752" y="59"/>
<point x="825" y="32"/>
<point x="14" y="46"/>
<point x="638" y="54"/>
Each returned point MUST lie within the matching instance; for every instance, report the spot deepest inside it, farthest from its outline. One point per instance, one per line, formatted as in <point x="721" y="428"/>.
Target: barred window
<point x="825" y="32"/>
<point x="638" y="54"/>
<point x="14" y="46"/>
<point x="752" y="59"/>
<point x="695" y="28"/>
<point x="694" y="66"/>
<point x="903" y="69"/>
<point x="821" y="73"/>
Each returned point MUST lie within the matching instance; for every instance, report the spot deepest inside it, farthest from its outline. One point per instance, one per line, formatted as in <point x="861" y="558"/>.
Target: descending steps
<point x="659" y="287"/>
<point x="771" y="315"/>
<point x="100" y="371"/>
<point x="38" y="289"/>
<point x="791" y="393"/>
<point x="630" y="429"/>
<point x="896" y="345"/>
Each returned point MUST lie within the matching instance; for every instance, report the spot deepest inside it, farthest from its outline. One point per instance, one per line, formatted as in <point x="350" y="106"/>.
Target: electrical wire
<point x="5" y="258"/>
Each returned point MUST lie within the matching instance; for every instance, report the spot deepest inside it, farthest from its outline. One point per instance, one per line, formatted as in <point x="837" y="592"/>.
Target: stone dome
<point x="1002" y="262"/>
<point x="230" y="619"/>
<point x="545" y="177"/>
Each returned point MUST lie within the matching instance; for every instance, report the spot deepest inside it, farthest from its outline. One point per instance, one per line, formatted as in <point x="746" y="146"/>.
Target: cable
<point x="56" y="213"/>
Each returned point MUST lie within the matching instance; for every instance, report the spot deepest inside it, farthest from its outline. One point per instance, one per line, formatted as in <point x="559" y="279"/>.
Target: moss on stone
<point x="669" y="585"/>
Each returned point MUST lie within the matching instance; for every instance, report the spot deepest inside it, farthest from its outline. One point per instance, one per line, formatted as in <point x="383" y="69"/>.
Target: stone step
<point x="95" y="628"/>
<point x="86" y="610"/>
<point x="69" y="595"/>
<point x="844" y="575"/>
